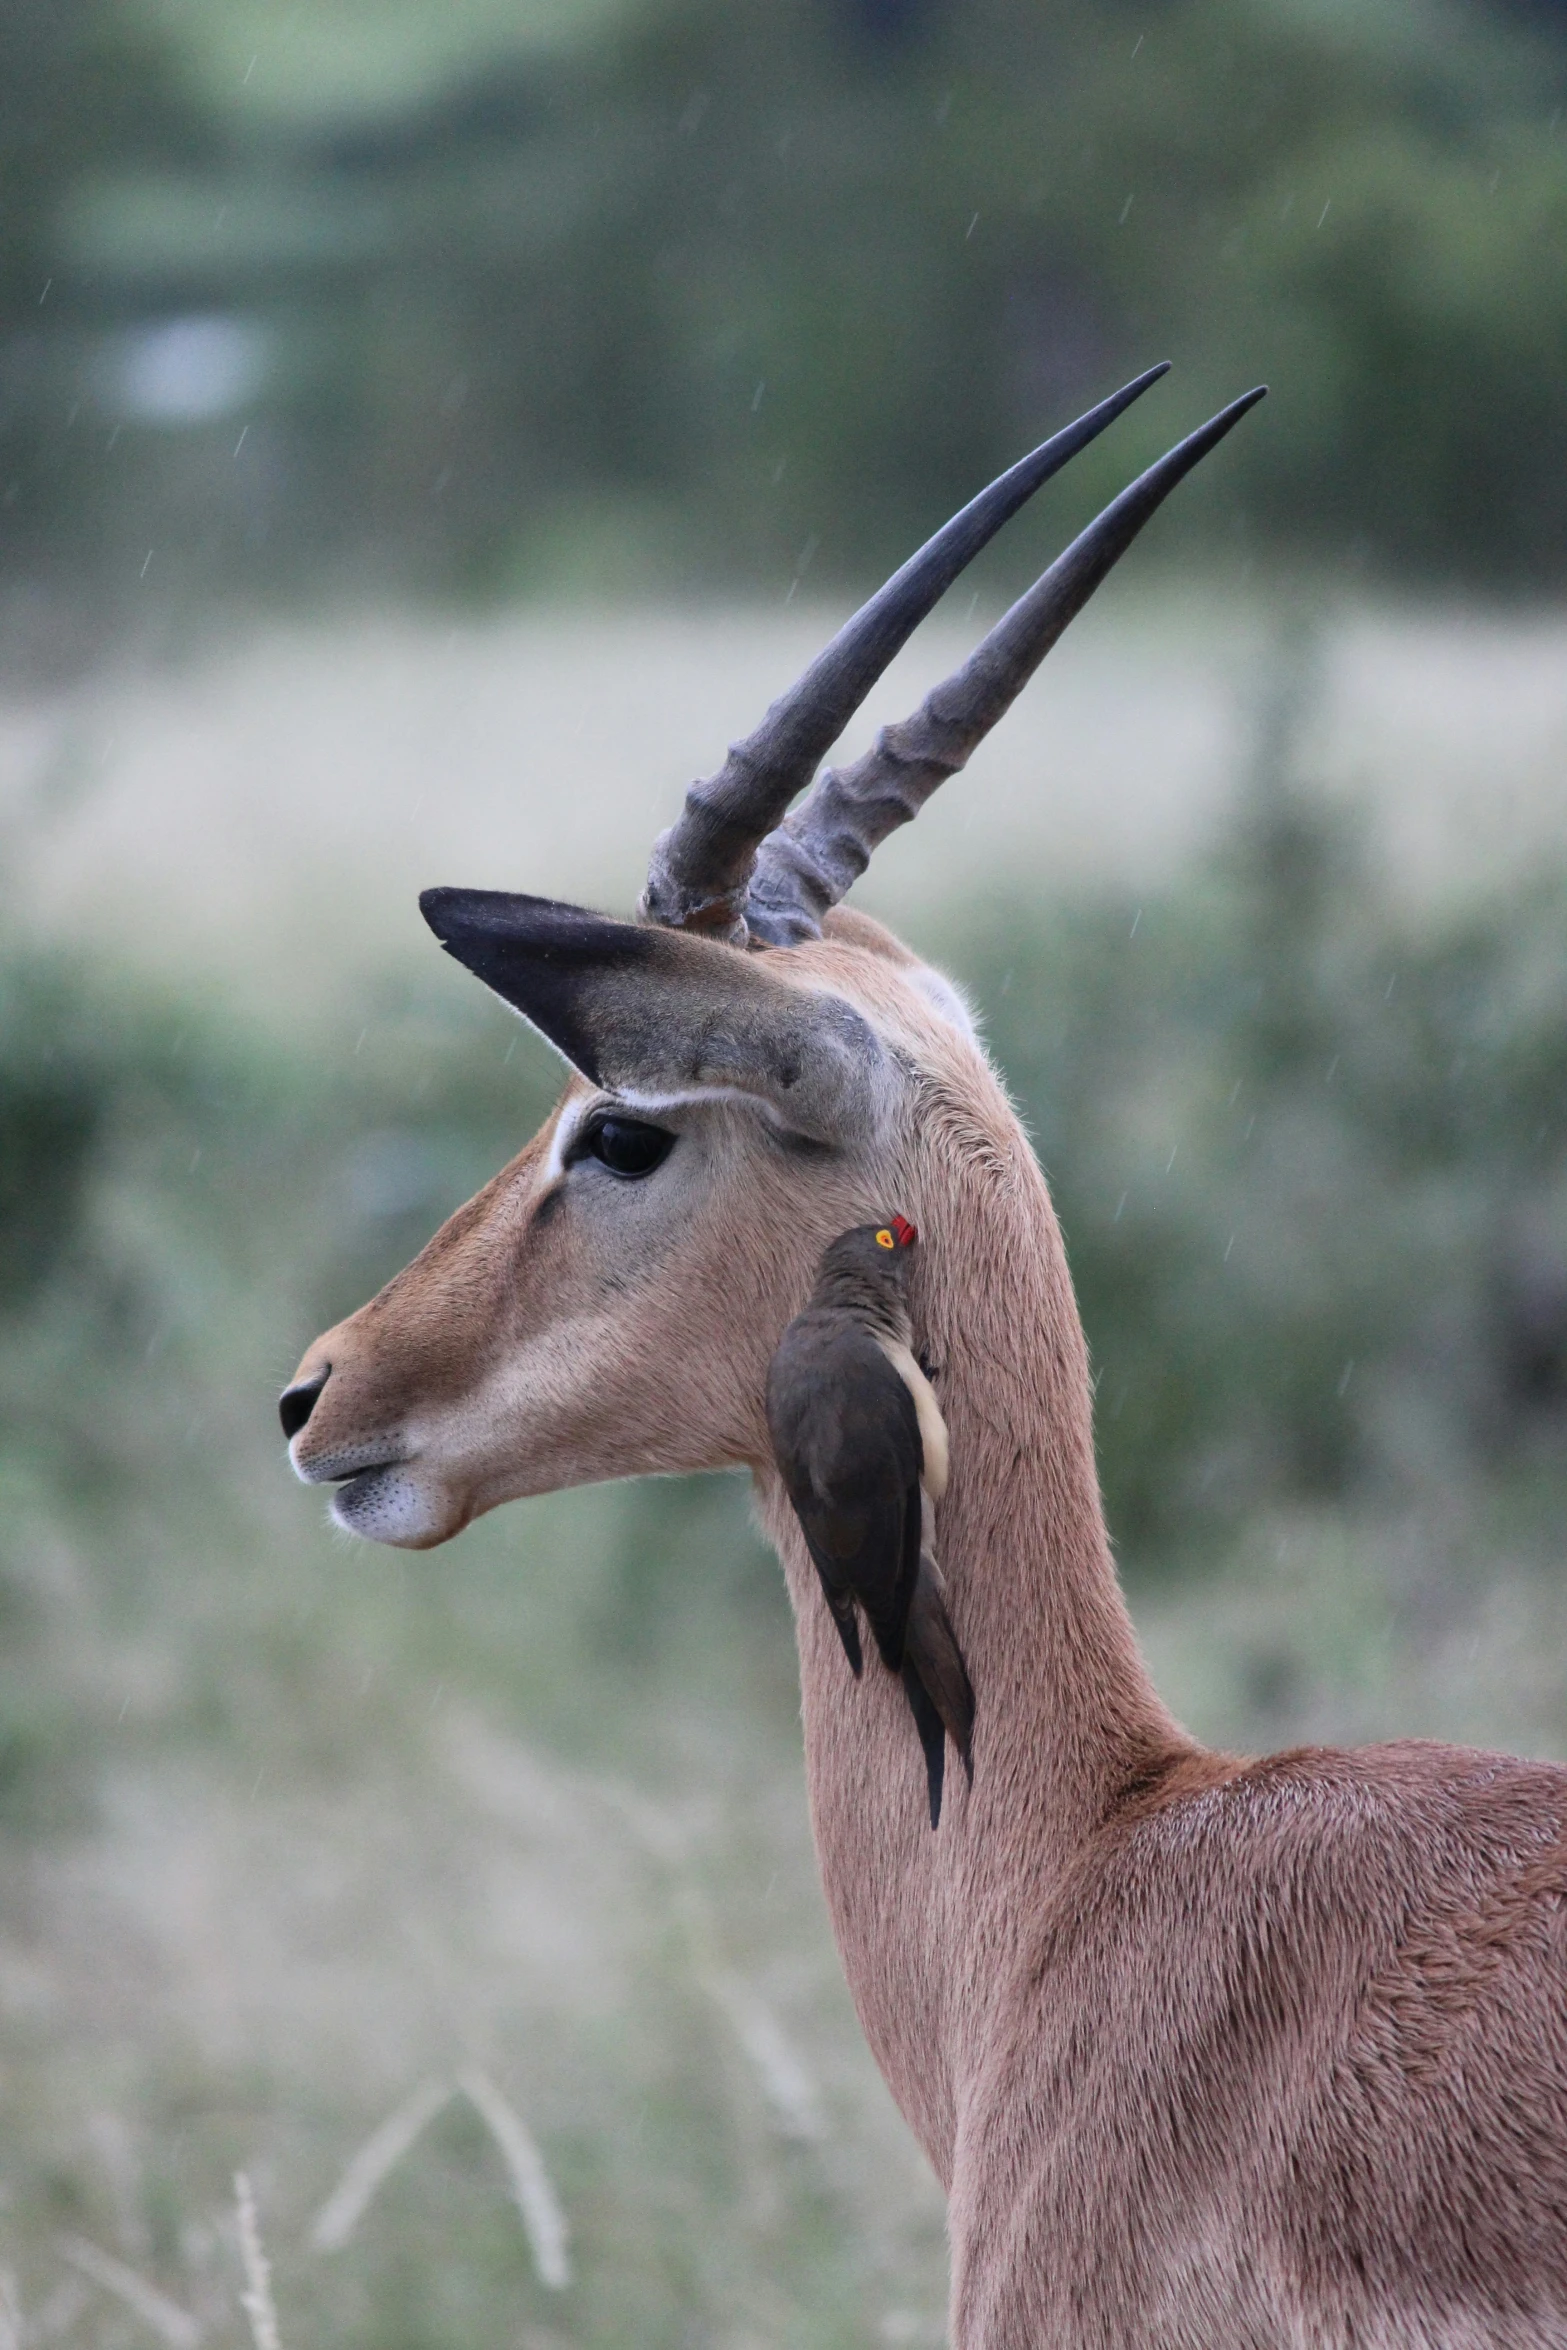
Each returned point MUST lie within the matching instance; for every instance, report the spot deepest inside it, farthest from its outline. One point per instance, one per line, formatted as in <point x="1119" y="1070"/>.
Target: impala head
<point x="751" y="1071"/>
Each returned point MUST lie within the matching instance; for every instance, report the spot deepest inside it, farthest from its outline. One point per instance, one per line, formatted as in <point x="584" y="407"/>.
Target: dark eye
<point x="626" y="1146"/>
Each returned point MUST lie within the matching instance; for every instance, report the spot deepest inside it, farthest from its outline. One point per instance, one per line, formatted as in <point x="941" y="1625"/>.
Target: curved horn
<point x="701" y="867"/>
<point x="821" y="850"/>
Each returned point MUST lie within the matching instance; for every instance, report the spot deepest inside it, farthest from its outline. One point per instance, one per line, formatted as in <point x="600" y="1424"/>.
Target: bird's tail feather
<point x="941" y="1696"/>
<point x="848" y="1633"/>
<point x="933" y="1738"/>
<point x="932" y="1648"/>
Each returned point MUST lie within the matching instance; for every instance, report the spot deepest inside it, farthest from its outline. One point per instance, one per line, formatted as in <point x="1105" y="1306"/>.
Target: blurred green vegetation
<point x="1311" y="1160"/>
<point x="679" y="291"/>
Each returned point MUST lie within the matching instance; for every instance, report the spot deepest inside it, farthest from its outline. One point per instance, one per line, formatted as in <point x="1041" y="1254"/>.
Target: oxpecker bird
<point x="862" y="1447"/>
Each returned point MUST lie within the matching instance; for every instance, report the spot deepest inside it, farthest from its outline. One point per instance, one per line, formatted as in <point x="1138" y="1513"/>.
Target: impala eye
<point x="626" y="1146"/>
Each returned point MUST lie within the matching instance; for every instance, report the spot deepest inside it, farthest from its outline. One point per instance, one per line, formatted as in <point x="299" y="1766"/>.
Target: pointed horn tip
<point x="1162" y="476"/>
<point x="1208" y="435"/>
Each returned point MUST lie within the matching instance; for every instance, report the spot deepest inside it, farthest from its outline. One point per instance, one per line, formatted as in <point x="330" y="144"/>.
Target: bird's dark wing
<point x="847" y="1440"/>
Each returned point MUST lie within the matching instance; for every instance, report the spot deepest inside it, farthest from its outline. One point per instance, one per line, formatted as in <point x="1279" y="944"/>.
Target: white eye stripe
<point x="567" y="1127"/>
<point x="654" y="1105"/>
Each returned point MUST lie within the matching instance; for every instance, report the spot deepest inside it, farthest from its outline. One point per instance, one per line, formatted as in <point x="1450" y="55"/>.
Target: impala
<point x="1206" y="2051"/>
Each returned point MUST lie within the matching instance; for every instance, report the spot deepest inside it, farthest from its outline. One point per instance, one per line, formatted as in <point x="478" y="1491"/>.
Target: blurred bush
<point x="1310" y="1156"/>
<point x="684" y="289"/>
<point x="52" y="1099"/>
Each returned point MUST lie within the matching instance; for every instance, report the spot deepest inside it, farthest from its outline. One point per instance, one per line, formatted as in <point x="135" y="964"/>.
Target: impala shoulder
<point x="1375" y="1846"/>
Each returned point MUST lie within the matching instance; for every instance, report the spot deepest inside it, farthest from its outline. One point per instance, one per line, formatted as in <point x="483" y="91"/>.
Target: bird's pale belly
<point x="933" y="1428"/>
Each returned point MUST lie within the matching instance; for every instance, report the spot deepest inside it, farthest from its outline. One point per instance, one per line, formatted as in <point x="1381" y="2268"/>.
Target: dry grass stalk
<point x="381" y="2152"/>
<point x="256" y="2300"/>
<point x="781" y="2071"/>
<point x="542" y="2216"/>
<point x="777" y="2063"/>
<point x="168" y="2321"/>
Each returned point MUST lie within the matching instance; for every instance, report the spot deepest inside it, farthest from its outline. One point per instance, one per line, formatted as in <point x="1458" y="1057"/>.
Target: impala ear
<point x="659" y="1016"/>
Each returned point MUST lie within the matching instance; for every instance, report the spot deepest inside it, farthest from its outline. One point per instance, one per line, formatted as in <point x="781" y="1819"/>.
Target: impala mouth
<point x="339" y="1465"/>
<point x="352" y="1476"/>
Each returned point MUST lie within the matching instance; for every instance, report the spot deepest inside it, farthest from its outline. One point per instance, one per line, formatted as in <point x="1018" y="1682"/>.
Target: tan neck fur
<point x="933" y="1928"/>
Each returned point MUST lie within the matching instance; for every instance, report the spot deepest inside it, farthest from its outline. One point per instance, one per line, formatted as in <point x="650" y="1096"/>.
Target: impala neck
<point x="933" y="1928"/>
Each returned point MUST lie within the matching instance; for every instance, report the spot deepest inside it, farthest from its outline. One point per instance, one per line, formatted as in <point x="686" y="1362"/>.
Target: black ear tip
<point x="463" y="918"/>
<point x="439" y="908"/>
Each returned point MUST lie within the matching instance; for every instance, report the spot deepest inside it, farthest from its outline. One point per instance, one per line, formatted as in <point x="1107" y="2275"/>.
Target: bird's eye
<point x="627" y="1146"/>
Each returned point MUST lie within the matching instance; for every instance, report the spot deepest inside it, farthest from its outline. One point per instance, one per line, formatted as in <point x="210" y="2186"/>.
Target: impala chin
<point x="397" y="1505"/>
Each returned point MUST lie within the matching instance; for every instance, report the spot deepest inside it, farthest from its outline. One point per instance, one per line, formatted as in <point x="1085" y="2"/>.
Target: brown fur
<point x="1205" y="2052"/>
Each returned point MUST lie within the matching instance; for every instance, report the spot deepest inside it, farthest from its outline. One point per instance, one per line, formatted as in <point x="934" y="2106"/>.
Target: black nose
<point x="295" y="1404"/>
